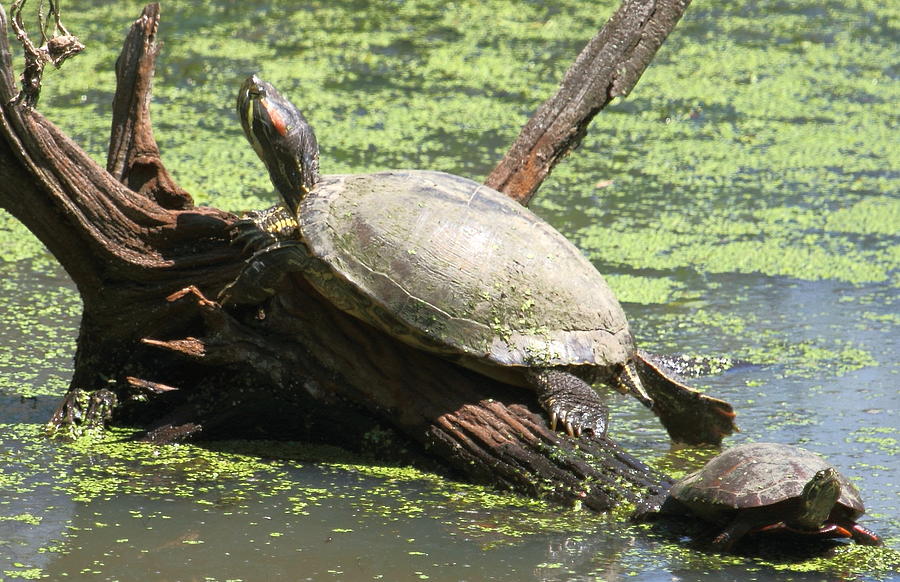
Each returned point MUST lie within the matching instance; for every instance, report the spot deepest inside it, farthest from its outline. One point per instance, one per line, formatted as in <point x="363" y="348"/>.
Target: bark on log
<point x="133" y="157"/>
<point x="609" y="66"/>
<point x="144" y="259"/>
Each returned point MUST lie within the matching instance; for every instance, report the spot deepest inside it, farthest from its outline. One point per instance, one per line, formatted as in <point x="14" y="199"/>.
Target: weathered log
<point x="144" y="258"/>
<point x="609" y="66"/>
<point x="478" y="426"/>
<point x="124" y="252"/>
<point x="133" y="157"/>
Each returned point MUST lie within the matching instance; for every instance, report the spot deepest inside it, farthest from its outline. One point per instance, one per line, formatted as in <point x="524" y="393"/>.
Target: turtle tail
<point x="688" y="415"/>
<point x="630" y="383"/>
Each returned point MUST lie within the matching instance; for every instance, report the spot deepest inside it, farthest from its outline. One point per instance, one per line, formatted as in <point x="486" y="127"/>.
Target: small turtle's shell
<point x="453" y="266"/>
<point x="756" y="475"/>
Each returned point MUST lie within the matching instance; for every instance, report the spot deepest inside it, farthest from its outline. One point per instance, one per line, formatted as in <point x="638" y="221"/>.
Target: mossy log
<point x="145" y="260"/>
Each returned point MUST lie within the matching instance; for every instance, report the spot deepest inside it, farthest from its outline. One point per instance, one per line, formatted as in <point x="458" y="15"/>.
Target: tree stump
<point x="145" y="259"/>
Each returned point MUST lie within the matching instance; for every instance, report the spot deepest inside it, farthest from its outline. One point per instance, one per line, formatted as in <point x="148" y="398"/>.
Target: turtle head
<point x="818" y="499"/>
<point x="282" y="139"/>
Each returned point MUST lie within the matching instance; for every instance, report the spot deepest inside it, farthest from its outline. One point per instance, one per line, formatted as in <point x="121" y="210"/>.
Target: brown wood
<point x="145" y="260"/>
<point x="609" y="66"/>
<point x="133" y="157"/>
<point x="124" y="252"/>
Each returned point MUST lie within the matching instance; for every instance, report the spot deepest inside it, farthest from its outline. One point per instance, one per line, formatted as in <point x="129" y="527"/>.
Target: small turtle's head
<point x="282" y="139"/>
<point x="818" y="499"/>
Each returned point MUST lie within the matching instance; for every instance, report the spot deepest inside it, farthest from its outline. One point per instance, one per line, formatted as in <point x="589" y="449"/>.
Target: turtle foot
<point x="864" y="536"/>
<point x="724" y="542"/>
<point x="259" y="229"/>
<point x="569" y="400"/>
<point x="262" y="273"/>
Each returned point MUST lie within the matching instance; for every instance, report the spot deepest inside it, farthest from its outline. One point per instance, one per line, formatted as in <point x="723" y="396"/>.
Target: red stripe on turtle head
<point x="278" y="121"/>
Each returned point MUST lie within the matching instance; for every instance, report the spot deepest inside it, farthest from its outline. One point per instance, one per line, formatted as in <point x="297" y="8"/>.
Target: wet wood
<point x="145" y="261"/>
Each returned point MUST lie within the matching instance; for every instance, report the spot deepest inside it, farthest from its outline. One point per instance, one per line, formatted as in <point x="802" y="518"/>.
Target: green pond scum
<point x="742" y="202"/>
<point x="770" y="165"/>
<point x="229" y="477"/>
<point x="844" y="561"/>
<point x="44" y="309"/>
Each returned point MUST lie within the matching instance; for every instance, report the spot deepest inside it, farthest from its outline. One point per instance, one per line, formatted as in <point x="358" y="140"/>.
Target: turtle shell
<point x="757" y="475"/>
<point x="455" y="267"/>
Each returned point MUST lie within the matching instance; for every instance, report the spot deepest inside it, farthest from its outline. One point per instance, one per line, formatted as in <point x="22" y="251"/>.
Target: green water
<point x="742" y="201"/>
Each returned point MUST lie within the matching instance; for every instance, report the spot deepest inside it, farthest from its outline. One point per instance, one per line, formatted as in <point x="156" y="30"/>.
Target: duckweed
<point x="754" y="163"/>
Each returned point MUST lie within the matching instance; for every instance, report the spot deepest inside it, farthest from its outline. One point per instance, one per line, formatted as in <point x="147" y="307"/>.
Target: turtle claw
<point x="560" y="415"/>
<point x="259" y="229"/>
<point x="569" y="401"/>
<point x="571" y="429"/>
<point x="575" y="422"/>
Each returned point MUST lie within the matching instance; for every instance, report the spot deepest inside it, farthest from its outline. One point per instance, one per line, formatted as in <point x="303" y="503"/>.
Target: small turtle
<point x="766" y="487"/>
<point x="446" y="265"/>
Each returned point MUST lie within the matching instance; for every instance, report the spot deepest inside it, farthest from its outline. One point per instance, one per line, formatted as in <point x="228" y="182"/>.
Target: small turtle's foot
<point x="263" y="272"/>
<point x="864" y="536"/>
<point x="569" y="400"/>
<point x="734" y="532"/>
<point x="724" y="542"/>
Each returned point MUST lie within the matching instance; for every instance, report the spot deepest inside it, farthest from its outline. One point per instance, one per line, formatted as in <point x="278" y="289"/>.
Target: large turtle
<point x="767" y="487"/>
<point x="449" y="266"/>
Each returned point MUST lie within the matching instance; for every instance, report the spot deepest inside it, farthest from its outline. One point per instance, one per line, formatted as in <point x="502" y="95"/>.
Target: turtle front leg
<point x="259" y="229"/>
<point x="263" y="272"/>
<point x="271" y="235"/>
<point x="570" y="400"/>
<point x="863" y="535"/>
<point x="732" y="534"/>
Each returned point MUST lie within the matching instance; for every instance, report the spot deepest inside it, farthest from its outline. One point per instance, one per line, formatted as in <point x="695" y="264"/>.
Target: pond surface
<point x="742" y="201"/>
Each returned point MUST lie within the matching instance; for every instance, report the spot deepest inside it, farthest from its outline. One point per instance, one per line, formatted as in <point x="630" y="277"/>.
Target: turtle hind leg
<point x="688" y="415"/>
<point x="570" y="400"/>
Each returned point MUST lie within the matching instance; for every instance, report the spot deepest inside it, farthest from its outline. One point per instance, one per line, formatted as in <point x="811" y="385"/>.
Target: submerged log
<point x="145" y="259"/>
